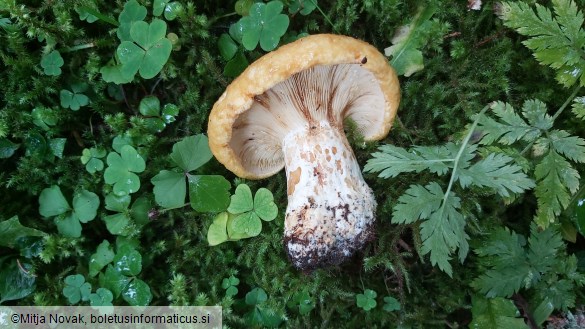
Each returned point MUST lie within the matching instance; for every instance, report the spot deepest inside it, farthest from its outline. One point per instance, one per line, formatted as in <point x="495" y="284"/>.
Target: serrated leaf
<point x="417" y="202"/>
<point x="536" y="113"/>
<point x="572" y="147"/>
<point x="192" y="152"/>
<point x="208" y="193"/>
<point x="492" y="313"/>
<point x="556" y="179"/>
<point x="406" y="58"/>
<point x="170" y="189"/>
<point x="509" y="129"/>
<point x="102" y="257"/>
<point x="579" y="107"/>
<point x="11" y="230"/>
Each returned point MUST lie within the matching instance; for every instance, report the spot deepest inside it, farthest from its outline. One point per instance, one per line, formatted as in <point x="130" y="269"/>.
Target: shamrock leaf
<point x="304" y="7"/>
<point x="120" y="222"/>
<point x="150" y="107"/>
<point x="74" y="99"/>
<point x="391" y="304"/>
<point x="265" y="24"/>
<point x="91" y="159"/>
<point x="217" y="232"/>
<point x="227" y="46"/>
<point x="229" y="284"/>
<point x="122" y="168"/>
<point x="256" y="296"/>
<point x="102" y="257"/>
<point x="132" y="12"/>
<point x="53" y="203"/>
<point x="242" y="7"/>
<point x="128" y="261"/>
<point x="170" y="9"/>
<point x="44" y="117"/>
<point x="113" y="280"/>
<point x="52" y="63"/>
<point x="76" y="289"/>
<point x="250" y="211"/>
<point x="367" y="300"/>
<point x="137" y="293"/>
<point x="148" y="51"/>
<point x="85" y="16"/>
<point x="102" y="297"/>
<point x="302" y="301"/>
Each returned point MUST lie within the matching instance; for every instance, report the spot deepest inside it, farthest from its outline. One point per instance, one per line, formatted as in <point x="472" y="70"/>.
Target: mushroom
<point x="287" y="109"/>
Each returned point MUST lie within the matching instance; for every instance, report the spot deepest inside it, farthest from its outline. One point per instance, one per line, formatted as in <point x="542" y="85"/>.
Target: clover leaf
<point x="122" y="168"/>
<point x="256" y="296"/>
<point x="74" y="99"/>
<point x="391" y="304"/>
<point x="101" y="297"/>
<point x="102" y="257"/>
<point x="304" y="7"/>
<point x="217" y="232"/>
<point x="229" y="284"/>
<point x="170" y="9"/>
<point x="132" y="12"/>
<point x="91" y="159"/>
<point x="76" y="289"/>
<point x="265" y="24"/>
<point x="52" y="62"/>
<point x="303" y="302"/>
<point x="120" y="222"/>
<point x="150" y="107"/>
<point x="44" y="117"/>
<point x="85" y="16"/>
<point x="207" y="193"/>
<point x="242" y="7"/>
<point x="53" y="203"/>
<point x="250" y="211"/>
<point x="148" y="50"/>
<point x="367" y="300"/>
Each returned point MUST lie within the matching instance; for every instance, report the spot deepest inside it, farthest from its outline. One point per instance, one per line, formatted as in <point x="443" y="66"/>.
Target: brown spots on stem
<point x="293" y="180"/>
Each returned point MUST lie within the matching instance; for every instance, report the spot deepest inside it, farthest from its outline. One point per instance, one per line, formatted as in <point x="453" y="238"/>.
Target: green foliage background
<point x="73" y="105"/>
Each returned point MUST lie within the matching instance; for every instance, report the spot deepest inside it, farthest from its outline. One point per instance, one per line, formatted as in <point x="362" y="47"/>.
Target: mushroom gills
<point x="330" y="212"/>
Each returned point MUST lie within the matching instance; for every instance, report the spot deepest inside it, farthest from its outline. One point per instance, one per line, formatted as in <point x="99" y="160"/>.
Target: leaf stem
<point x="324" y="15"/>
<point x="458" y="157"/>
<point x="99" y="15"/>
<point x="562" y="108"/>
<point x="78" y="47"/>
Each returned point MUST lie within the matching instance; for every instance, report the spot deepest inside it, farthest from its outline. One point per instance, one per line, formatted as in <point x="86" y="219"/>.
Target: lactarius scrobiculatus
<point x="287" y="109"/>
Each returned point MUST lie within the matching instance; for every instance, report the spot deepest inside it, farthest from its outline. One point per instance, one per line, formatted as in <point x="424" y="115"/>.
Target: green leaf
<point x="120" y="141"/>
<point x="158" y="6"/>
<point x="304" y="7"/>
<point x="229" y="284"/>
<point x="102" y="257"/>
<point x="217" y="232"/>
<point x="256" y="296"/>
<point x="91" y="159"/>
<point x="169" y="112"/>
<point x="117" y="223"/>
<point x="139" y="211"/>
<point x="572" y="147"/>
<point x="117" y="203"/>
<point x="74" y="99"/>
<point x="555" y="179"/>
<point x="580" y="215"/>
<point x="68" y="225"/>
<point x="209" y="193"/>
<point x="57" y="146"/>
<point x="44" y="117"/>
<point x="509" y="128"/>
<point x="149" y="106"/>
<point x="244" y="226"/>
<point x="579" y="107"/>
<point x="52" y="202"/>
<point x="7" y="148"/>
<point x="14" y="282"/>
<point x="122" y="168"/>
<point x="137" y="293"/>
<point x="536" y="113"/>
<point x="236" y="65"/>
<point x="242" y="7"/>
<point x="556" y="40"/>
<point x="406" y="56"/>
<point x="264" y="205"/>
<point x="242" y="200"/>
<point x="367" y="300"/>
<point x="85" y="205"/>
<point x="11" y="231"/>
<point x="169" y="189"/>
<point x="114" y="281"/>
<point x="172" y="10"/>
<point x="132" y="12"/>
<point x="102" y="297"/>
<point x="148" y="51"/>
<point x="192" y="152"/>
<point x="391" y="304"/>
<point x="227" y="47"/>
<point x="542" y="312"/>
<point x="491" y="313"/>
<point x="76" y="289"/>
<point x="128" y="261"/>
<point x="417" y="203"/>
<point x="52" y="63"/>
<point x="265" y="24"/>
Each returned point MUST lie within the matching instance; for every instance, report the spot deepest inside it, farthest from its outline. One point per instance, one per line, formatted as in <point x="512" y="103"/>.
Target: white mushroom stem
<point x="330" y="210"/>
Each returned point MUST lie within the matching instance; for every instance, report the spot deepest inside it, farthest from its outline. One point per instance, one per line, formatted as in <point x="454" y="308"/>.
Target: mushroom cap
<point x="277" y="66"/>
